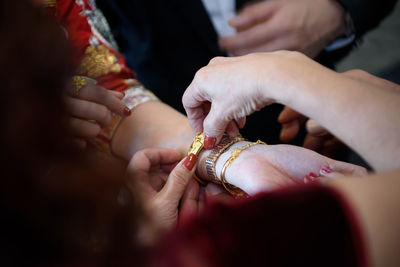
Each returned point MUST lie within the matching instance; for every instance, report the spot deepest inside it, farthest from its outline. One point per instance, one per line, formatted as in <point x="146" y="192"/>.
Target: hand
<point x="91" y="110"/>
<point x="317" y="138"/>
<point x="298" y="25"/>
<point x="237" y="87"/>
<point x="160" y="191"/>
<point x="265" y="168"/>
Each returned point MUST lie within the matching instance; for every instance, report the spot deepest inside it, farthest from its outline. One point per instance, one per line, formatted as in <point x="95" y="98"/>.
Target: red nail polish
<point x="307" y="179"/>
<point x="127" y="111"/>
<point x="190" y="161"/>
<point x="209" y="142"/>
<point x="326" y="169"/>
<point x="313" y="175"/>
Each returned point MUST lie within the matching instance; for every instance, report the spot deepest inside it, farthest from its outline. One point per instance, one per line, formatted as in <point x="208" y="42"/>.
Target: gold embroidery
<point x="99" y="61"/>
<point x="49" y="3"/>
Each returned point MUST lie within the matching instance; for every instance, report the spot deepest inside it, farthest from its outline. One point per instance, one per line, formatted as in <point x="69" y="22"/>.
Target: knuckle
<point x="201" y="75"/>
<point x="215" y="60"/>
<point x="103" y="113"/>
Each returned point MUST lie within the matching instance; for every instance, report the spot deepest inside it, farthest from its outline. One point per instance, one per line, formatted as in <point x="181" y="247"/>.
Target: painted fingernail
<point x="190" y="161"/>
<point x="313" y="175"/>
<point x="127" y="111"/>
<point x="209" y="142"/>
<point x="326" y="169"/>
<point x="307" y="179"/>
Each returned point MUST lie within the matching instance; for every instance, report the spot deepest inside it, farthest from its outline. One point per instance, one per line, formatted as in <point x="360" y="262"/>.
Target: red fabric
<point x="306" y="226"/>
<point x="69" y="15"/>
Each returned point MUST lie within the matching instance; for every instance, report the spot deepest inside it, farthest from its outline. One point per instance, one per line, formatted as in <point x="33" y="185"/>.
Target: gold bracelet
<point x="195" y="148"/>
<point x="211" y="159"/>
<point x="234" y="154"/>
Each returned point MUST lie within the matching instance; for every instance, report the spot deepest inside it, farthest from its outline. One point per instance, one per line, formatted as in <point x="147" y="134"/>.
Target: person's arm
<point x="361" y="113"/>
<point x="152" y="124"/>
<point x="374" y="202"/>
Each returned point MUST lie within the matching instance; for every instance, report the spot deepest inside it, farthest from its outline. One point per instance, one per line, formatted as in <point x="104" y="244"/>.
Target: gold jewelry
<point x="225" y="143"/>
<point x="234" y="154"/>
<point x="195" y="148"/>
<point x="78" y="82"/>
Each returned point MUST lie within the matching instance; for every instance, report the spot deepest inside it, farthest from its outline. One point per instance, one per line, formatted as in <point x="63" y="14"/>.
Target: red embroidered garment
<point x="96" y="56"/>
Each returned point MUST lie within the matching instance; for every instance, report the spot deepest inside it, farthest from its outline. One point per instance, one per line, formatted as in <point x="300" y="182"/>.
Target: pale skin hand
<point x="234" y="86"/>
<point x="264" y="168"/>
<point x="298" y="25"/>
<point x="91" y="110"/>
<point x="356" y="105"/>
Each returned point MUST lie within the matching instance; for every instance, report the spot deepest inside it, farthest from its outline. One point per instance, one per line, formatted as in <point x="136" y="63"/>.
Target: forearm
<point x="377" y="216"/>
<point x="362" y="115"/>
<point x="152" y="124"/>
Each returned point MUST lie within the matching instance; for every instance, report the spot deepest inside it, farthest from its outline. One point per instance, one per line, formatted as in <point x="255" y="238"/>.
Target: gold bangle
<point x="211" y="159"/>
<point x="234" y="154"/>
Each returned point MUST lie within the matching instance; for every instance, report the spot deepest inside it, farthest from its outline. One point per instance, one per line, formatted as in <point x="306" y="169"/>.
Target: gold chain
<point x="234" y="154"/>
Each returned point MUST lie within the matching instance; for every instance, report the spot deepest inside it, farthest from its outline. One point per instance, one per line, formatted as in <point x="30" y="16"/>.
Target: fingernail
<point x="326" y="169"/>
<point x="190" y="161"/>
<point x="209" y="142"/>
<point x="307" y="179"/>
<point x="127" y="111"/>
<point x="213" y="189"/>
<point x="312" y="175"/>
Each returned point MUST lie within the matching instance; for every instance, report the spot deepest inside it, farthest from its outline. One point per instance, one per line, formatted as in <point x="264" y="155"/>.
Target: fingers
<point x="291" y="121"/>
<point x="189" y="204"/>
<point x="84" y="128"/>
<point x="215" y="193"/>
<point x="89" y="111"/>
<point x="315" y="129"/>
<point x="178" y="180"/>
<point x="253" y="37"/>
<point x="147" y="159"/>
<point x="195" y="105"/>
<point x="251" y="15"/>
<point x="344" y="169"/>
<point x="241" y="122"/>
<point x="214" y="127"/>
<point x="107" y="98"/>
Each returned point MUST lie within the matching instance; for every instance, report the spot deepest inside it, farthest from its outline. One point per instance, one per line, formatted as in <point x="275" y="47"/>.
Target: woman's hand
<point x="237" y="87"/>
<point x="161" y="189"/>
<point x="264" y="168"/>
<point x="90" y="109"/>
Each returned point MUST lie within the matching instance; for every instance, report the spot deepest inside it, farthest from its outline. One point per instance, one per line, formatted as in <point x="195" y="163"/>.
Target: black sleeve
<point x="367" y="14"/>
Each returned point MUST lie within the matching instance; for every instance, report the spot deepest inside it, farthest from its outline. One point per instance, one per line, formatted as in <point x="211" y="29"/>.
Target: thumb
<point x="178" y="180"/>
<point x="214" y="127"/>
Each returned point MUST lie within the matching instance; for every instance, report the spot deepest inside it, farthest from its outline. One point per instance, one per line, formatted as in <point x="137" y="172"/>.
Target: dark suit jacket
<point x="167" y="41"/>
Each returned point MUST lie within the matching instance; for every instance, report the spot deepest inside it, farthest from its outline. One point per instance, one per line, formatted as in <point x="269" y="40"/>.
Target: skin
<point x="310" y="88"/>
<point x="91" y="109"/>
<point x="360" y="109"/>
<point x="264" y="27"/>
<point x="297" y="25"/>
